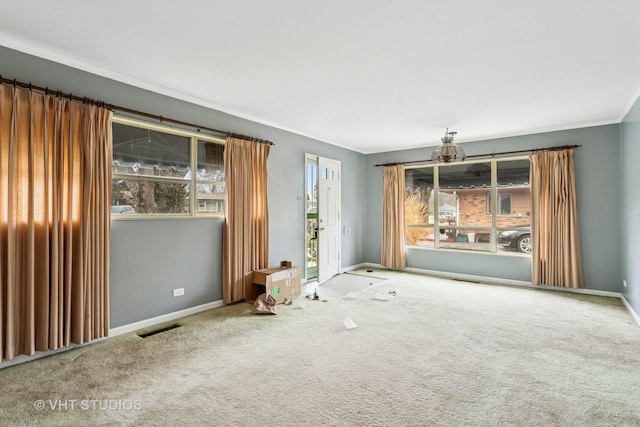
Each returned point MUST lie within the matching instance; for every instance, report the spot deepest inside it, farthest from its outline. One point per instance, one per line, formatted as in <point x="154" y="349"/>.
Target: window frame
<point x="192" y="182"/>
<point x="492" y="203"/>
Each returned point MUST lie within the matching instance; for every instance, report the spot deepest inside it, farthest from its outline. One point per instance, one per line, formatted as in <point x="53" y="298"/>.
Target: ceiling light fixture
<point x="448" y="152"/>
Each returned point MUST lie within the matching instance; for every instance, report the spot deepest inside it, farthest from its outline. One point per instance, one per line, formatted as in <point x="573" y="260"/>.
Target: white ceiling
<point x="370" y="75"/>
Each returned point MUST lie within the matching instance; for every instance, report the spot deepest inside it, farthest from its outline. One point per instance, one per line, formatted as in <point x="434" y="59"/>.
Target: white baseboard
<point x="635" y="315"/>
<point x="115" y="332"/>
<point x="164" y="318"/>
<point x="353" y="267"/>
<point x="467" y="277"/>
<point x="22" y="358"/>
<point x="454" y="276"/>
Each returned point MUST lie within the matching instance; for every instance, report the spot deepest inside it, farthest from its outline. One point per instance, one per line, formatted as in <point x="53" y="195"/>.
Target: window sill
<point x="140" y="217"/>
<point x="467" y="251"/>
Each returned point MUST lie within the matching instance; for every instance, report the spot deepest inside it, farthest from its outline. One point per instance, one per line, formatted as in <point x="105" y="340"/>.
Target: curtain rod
<point x="102" y="104"/>
<point x="502" y="153"/>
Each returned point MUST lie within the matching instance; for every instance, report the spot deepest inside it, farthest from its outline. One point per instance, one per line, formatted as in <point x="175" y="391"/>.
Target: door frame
<point x="314" y="158"/>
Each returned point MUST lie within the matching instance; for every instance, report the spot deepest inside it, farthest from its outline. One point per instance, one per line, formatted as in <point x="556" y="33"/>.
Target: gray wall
<point x="149" y="258"/>
<point x="630" y="205"/>
<point x="596" y="165"/>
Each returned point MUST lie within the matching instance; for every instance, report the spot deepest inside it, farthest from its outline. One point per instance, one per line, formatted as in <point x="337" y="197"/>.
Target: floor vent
<point x="158" y="331"/>
<point x="466" y="280"/>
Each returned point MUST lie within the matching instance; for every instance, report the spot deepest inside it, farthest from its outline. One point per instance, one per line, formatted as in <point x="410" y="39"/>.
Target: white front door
<point x="328" y="219"/>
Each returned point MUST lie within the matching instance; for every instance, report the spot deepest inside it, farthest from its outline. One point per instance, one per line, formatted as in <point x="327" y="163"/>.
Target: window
<point x="152" y="171"/>
<point x="504" y="204"/>
<point x="210" y="177"/>
<point x="210" y="205"/>
<point x="451" y="206"/>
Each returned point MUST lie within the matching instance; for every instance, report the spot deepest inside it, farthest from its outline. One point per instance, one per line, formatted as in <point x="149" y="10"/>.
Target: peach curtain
<point x="393" y="244"/>
<point x="246" y="224"/>
<point x="557" y="256"/>
<point x="55" y="192"/>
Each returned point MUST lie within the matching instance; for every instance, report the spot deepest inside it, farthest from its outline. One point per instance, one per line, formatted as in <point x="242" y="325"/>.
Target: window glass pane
<point x="149" y="197"/>
<point x="463" y="194"/>
<point x="312" y="188"/>
<point x="420" y="236"/>
<point x="514" y="225"/>
<point x="210" y="197"/>
<point x="513" y="173"/>
<point x="147" y="152"/>
<point x="514" y="193"/>
<point x="210" y="161"/>
<point x="211" y="177"/>
<point x="213" y="206"/>
<point x="467" y="239"/>
<point x="418" y="207"/>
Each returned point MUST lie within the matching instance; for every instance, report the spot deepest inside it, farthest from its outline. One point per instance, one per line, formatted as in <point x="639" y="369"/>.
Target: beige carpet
<point x="439" y="352"/>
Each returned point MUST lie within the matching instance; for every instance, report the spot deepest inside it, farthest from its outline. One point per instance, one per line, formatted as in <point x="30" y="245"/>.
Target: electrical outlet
<point x="178" y="292"/>
<point x="624" y="283"/>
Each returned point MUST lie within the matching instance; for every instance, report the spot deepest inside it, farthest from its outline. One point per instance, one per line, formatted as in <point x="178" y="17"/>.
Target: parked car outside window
<point x="122" y="209"/>
<point x="519" y="240"/>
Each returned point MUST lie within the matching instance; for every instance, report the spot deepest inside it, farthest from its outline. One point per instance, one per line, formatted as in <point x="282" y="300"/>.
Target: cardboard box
<point x="279" y="282"/>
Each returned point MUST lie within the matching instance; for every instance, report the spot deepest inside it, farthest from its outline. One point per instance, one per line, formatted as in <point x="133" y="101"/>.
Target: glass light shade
<point x="448" y="152"/>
